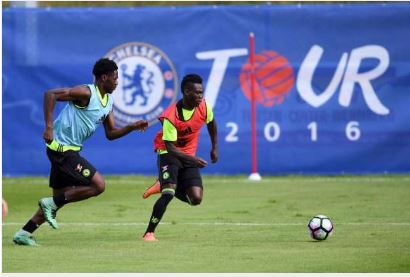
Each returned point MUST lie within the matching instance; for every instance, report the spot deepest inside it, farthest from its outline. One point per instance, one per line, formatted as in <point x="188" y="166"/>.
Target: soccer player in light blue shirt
<point x="72" y="177"/>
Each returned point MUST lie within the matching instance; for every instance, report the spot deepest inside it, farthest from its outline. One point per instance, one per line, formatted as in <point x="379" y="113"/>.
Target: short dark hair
<point x="190" y="79"/>
<point x="104" y="66"/>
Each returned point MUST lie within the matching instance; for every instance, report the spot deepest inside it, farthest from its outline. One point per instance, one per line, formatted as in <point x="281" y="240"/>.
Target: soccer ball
<point x="320" y="227"/>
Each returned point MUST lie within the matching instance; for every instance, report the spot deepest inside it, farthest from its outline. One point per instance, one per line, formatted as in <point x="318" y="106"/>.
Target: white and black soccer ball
<point x="320" y="227"/>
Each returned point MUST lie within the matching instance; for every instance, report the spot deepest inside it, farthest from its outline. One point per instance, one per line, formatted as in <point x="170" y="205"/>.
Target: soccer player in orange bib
<point x="176" y="145"/>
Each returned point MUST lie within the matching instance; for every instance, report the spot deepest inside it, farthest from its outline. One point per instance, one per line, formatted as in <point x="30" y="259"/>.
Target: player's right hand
<point x="201" y="163"/>
<point x="48" y="135"/>
<point x="141" y="125"/>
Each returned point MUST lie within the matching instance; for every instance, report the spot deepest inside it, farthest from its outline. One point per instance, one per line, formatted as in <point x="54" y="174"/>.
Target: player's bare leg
<point x="96" y="187"/>
<point x="25" y="235"/>
<point x="50" y="205"/>
<point x="194" y="195"/>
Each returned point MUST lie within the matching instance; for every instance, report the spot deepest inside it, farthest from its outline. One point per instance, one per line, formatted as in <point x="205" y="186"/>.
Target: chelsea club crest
<point x="147" y="82"/>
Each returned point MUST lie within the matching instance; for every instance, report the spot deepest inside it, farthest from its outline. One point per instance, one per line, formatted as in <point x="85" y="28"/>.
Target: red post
<point x="253" y="104"/>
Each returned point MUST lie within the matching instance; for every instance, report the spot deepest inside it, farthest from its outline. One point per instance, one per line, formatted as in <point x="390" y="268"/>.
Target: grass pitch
<point x="241" y="226"/>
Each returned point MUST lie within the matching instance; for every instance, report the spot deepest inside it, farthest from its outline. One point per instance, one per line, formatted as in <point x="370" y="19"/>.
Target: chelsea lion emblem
<point x="147" y="82"/>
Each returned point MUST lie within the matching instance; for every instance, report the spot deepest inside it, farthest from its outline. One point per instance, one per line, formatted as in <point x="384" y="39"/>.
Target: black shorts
<point x="173" y="171"/>
<point x="69" y="169"/>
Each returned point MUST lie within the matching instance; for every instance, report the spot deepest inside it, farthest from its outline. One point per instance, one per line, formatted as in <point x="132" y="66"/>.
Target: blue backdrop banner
<point x="332" y="83"/>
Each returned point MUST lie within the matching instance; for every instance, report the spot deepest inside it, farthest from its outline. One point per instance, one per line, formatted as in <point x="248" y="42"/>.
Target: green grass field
<point x="240" y="226"/>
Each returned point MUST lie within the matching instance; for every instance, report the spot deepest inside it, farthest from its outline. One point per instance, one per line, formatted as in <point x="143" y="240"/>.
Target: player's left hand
<point x="48" y="135"/>
<point x="214" y="155"/>
<point x="141" y="125"/>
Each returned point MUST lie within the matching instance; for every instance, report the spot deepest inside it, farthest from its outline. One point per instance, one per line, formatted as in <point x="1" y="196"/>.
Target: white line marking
<point x="269" y="179"/>
<point x="212" y="223"/>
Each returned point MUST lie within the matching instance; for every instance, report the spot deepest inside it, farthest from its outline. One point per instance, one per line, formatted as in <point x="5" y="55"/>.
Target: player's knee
<point x="98" y="184"/>
<point x="194" y="196"/>
<point x="100" y="188"/>
<point x="195" y="200"/>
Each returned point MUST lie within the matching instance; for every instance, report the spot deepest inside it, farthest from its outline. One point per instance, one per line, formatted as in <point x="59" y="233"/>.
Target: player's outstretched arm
<point x="111" y="132"/>
<point x="213" y="134"/>
<point x="173" y="150"/>
<point x="80" y="95"/>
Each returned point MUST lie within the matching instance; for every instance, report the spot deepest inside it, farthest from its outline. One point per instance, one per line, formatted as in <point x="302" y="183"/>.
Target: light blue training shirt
<point x="75" y="124"/>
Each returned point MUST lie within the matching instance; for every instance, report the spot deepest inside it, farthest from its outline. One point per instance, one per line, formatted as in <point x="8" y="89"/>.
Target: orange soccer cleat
<point x="149" y="237"/>
<point x="155" y="188"/>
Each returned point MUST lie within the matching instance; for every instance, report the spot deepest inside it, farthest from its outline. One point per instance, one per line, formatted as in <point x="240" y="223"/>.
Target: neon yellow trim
<point x="209" y="113"/>
<point x="189" y="199"/>
<point x="169" y="132"/>
<point x="159" y="151"/>
<point x="80" y="106"/>
<point x="187" y="113"/>
<point x="55" y="146"/>
<point x="104" y="100"/>
<point x="168" y="190"/>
